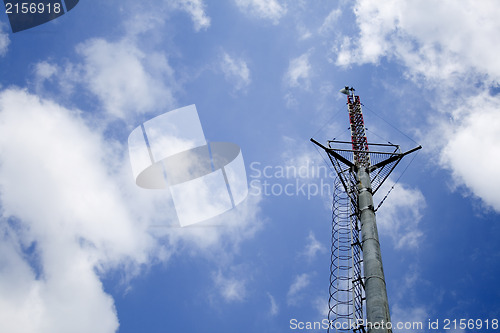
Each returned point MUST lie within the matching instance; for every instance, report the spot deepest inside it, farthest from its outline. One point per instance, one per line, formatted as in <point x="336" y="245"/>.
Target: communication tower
<point x="357" y="279"/>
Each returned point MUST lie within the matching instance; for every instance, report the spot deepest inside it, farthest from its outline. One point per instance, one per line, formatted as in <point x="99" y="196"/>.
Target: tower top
<point x="347" y="91"/>
<point x="381" y="158"/>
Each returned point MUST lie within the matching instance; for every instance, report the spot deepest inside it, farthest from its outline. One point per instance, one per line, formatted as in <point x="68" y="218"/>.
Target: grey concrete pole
<point x="377" y="304"/>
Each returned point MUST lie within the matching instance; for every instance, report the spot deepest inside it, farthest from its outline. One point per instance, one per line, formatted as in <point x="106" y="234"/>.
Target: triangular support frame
<point x="385" y="156"/>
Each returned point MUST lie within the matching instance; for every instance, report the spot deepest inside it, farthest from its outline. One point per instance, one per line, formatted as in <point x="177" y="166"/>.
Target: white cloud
<point x="69" y="196"/>
<point x="472" y="153"/>
<point x="446" y="42"/>
<point x="55" y="183"/>
<point x="45" y="70"/>
<point x="231" y="289"/>
<point x="299" y="72"/>
<point x="304" y="33"/>
<point x="69" y="190"/>
<point x="449" y="49"/>
<point x="400" y="214"/>
<point x="313" y="247"/>
<point x="330" y="21"/>
<point x="265" y="9"/>
<point x="294" y="292"/>
<point x="146" y="20"/>
<point x="274" y="308"/>
<point x="236" y="71"/>
<point x="125" y="79"/>
<point x="195" y="9"/>
<point x="4" y="41"/>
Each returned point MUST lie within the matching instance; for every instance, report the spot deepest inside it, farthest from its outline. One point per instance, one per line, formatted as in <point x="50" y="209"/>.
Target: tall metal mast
<point x="361" y="170"/>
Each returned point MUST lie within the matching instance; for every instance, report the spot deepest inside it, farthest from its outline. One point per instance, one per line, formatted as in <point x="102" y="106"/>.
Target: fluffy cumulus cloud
<point x="235" y="70"/>
<point x="125" y="79"/>
<point x="265" y="9"/>
<point x="299" y="72"/>
<point x="472" y="152"/>
<point x="448" y="45"/>
<point x="45" y="70"/>
<point x="63" y="220"/>
<point x="434" y="40"/>
<point x="71" y="213"/>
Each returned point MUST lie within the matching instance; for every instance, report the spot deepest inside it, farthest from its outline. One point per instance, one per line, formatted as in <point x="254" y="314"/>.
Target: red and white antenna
<point x="357" y="279"/>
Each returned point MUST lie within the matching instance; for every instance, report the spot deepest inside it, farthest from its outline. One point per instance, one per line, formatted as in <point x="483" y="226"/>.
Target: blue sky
<point x="83" y="249"/>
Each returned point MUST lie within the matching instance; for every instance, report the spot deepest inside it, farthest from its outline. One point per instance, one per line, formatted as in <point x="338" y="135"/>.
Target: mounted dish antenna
<point x="347" y="91"/>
